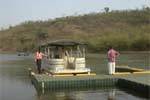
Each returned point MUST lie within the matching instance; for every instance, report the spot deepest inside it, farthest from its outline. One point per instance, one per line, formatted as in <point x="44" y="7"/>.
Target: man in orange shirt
<point x="38" y="59"/>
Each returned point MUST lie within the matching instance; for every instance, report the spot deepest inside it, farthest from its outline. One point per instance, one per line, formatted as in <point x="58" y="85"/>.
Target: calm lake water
<point x="15" y="83"/>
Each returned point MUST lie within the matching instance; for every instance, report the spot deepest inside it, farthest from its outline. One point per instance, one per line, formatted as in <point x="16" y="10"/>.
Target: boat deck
<point x="69" y="72"/>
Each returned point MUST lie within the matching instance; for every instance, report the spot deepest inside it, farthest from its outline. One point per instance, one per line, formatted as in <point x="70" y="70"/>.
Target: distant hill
<point x="125" y="30"/>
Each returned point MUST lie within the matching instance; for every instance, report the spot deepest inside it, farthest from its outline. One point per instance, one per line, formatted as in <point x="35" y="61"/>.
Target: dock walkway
<point x="135" y="82"/>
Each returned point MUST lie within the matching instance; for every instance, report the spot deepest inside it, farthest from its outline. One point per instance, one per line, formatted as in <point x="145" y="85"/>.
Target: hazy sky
<point x="13" y="12"/>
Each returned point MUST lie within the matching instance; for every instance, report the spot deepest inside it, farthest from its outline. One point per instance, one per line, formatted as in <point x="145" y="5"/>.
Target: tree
<point x="106" y="9"/>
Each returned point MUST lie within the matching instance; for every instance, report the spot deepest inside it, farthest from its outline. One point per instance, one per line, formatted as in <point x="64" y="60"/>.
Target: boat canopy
<point x="60" y="48"/>
<point x="63" y="43"/>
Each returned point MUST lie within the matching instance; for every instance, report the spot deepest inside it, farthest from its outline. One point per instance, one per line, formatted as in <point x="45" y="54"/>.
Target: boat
<point x="23" y="54"/>
<point x="65" y="57"/>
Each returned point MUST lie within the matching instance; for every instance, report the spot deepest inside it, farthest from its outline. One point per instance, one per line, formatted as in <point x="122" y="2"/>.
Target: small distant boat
<point x="23" y="54"/>
<point x="65" y="57"/>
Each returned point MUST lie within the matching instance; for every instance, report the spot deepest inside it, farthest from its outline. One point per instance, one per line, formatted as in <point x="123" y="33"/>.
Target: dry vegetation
<point x="125" y="30"/>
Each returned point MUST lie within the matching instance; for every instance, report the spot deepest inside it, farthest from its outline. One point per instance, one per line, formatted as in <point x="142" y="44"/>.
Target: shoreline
<point x="101" y="52"/>
<point x="125" y="52"/>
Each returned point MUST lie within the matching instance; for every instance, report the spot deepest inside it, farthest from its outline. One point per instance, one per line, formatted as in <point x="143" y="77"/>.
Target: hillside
<point x="125" y="30"/>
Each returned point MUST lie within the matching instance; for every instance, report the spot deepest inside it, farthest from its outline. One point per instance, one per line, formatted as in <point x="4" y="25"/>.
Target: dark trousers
<point x="38" y="63"/>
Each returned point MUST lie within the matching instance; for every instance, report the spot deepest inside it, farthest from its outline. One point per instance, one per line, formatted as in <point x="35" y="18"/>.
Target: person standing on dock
<point x="112" y="54"/>
<point x="38" y="59"/>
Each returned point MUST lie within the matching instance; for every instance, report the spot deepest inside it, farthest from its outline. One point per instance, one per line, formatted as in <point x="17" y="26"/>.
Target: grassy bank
<point x="125" y="30"/>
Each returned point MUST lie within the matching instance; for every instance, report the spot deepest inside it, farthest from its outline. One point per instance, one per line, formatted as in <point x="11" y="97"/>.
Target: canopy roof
<point x="63" y="43"/>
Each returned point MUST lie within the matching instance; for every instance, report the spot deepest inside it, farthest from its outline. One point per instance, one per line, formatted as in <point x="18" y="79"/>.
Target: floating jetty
<point x="138" y="83"/>
<point x="72" y="82"/>
<point x="133" y="82"/>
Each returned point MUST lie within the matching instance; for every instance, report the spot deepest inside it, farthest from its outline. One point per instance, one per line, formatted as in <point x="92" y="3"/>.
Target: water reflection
<point x="111" y="94"/>
<point x="101" y="94"/>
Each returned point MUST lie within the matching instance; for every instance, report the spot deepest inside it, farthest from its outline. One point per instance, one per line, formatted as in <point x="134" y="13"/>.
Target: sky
<point x="13" y="12"/>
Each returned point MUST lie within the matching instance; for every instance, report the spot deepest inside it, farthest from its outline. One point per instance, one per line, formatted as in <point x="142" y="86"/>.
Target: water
<point x="15" y="83"/>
